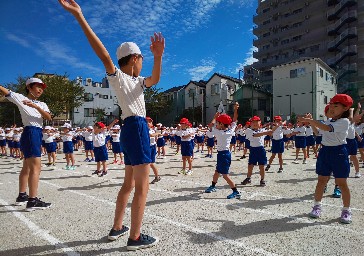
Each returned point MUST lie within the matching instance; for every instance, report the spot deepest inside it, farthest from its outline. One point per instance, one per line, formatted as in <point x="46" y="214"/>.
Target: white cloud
<point x="18" y="40"/>
<point x="248" y="60"/>
<point x="200" y="72"/>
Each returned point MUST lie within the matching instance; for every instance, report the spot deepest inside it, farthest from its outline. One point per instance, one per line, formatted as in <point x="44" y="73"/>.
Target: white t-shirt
<point x="209" y="134"/>
<point x="278" y="133"/>
<point x="351" y="132"/>
<point x="129" y="92"/>
<point x="257" y="141"/>
<point x="152" y="139"/>
<point x="2" y="135"/>
<point x="48" y="138"/>
<point x="359" y="129"/>
<point x="185" y="133"/>
<point x="248" y="133"/>
<point x="87" y="135"/>
<point x="99" y="139"/>
<point x="223" y="137"/>
<point x="29" y="116"/>
<point x="301" y="131"/>
<point x="337" y="135"/>
<point x="309" y="131"/>
<point x="16" y="137"/>
<point x="115" y="136"/>
<point x="67" y="136"/>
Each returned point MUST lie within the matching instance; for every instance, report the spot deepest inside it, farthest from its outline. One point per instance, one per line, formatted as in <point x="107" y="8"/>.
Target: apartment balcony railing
<point x="348" y="17"/>
<point x="347" y="69"/>
<point x="347" y="51"/>
<point x="348" y="33"/>
<point x="333" y="13"/>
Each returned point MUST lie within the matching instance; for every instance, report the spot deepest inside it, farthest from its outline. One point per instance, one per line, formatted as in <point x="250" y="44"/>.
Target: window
<point x="297" y="11"/>
<point x="297" y="24"/>
<point x="262" y="104"/>
<point x="89" y="97"/>
<point x="88" y="112"/>
<point x="285" y="41"/>
<point x="332" y="80"/>
<point x="215" y="89"/>
<point x="266" y="34"/>
<point x="105" y="97"/>
<point x="301" y="51"/>
<point x="327" y="76"/>
<point x="321" y="72"/>
<point x="266" y="22"/>
<point x="293" y="73"/>
<point x="325" y="100"/>
<point x="296" y="38"/>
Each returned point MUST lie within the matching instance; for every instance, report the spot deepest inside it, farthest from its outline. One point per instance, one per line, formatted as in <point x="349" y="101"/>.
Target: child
<point x="16" y="143"/>
<point x="135" y="141"/>
<point x="2" y="142"/>
<point x="32" y="114"/>
<point x="116" y="146"/>
<point x="248" y="133"/>
<point x="153" y="150"/>
<point x="89" y="146"/>
<point x="233" y="142"/>
<point x="161" y="142"/>
<point x="178" y="138"/>
<point x="9" y="140"/>
<point x="300" y="141"/>
<point x="200" y="139"/>
<point x="186" y="146"/>
<point x="257" y="154"/>
<point x="223" y="134"/>
<point x="333" y="156"/>
<point x="240" y="137"/>
<point x="50" y="145"/>
<point x="210" y="142"/>
<point x="67" y="137"/>
<point x="310" y="141"/>
<point x="277" y="143"/>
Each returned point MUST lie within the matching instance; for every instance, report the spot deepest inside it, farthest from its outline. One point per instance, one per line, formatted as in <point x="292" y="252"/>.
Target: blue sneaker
<point x="235" y="194"/>
<point x="337" y="193"/>
<point x="210" y="189"/>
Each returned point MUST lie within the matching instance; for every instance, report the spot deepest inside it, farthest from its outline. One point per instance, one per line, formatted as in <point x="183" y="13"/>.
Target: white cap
<point x="67" y="125"/>
<point x="47" y="128"/>
<point x="126" y="49"/>
<point x="90" y="127"/>
<point x="7" y="129"/>
<point x="35" y="80"/>
<point x="116" y="127"/>
<point x="17" y="129"/>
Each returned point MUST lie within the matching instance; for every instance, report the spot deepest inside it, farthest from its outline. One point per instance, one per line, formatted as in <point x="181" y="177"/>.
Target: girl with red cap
<point x="247" y="132"/>
<point x="186" y="146"/>
<point x="277" y="143"/>
<point x="333" y="156"/>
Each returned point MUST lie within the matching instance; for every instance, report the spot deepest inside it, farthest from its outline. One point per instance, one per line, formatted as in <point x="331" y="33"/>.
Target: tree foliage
<point x="155" y="102"/>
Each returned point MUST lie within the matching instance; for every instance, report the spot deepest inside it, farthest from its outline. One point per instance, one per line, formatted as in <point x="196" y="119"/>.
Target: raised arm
<point x="157" y="48"/>
<point x="236" y="107"/>
<point x="96" y="44"/>
<point x="4" y="91"/>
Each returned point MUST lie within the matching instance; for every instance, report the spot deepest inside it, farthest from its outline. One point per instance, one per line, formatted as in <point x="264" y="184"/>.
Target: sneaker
<point x="21" y="200"/>
<point x="115" y="162"/>
<point x="316" y="212"/>
<point x="183" y="171"/>
<point x="115" y="234"/>
<point x="92" y="160"/>
<point x="67" y="167"/>
<point x="197" y="151"/>
<point x="189" y="172"/>
<point x="235" y="194"/>
<point x="280" y="170"/>
<point x="295" y="161"/>
<point x="304" y="161"/>
<point x="210" y="189"/>
<point x="210" y="156"/>
<point x="48" y="164"/>
<point x="96" y="172"/>
<point x="156" y="179"/>
<point x="121" y="162"/>
<point x="262" y="183"/>
<point x="201" y="151"/>
<point x="37" y="204"/>
<point x="243" y="157"/>
<point x="72" y="168"/>
<point x="357" y="175"/>
<point x="267" y="167"/>
<point x="337" y="193"/>
<point x="246" y="181"/>
<point x="87" y="159"/>
<point x="325" y="189"/>
<point x="143" y="242"/>
<point x="345" y="217"/>
<point x="103" y="173"/>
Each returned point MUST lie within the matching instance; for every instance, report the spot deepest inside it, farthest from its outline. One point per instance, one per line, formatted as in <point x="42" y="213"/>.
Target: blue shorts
<point x="267" y="137"/>
<point x="233" y="140"/>
<point x="16" y="144"/>
<point x="247" y="144"/>
<point x="116" y="147"/>
<point x="300" y="141"/>
<point x="333" y="160"/>
<point x="178" y="140"/>
<point x="318" y="140"/>
<point x="211" y="142"/>
<point x="257" y="156"/>
<point x="200" y="139"/>
<point x="360" y="143"/>
<point x="223" y="162"/>
<point x="101" y="154"/>
<point x="51" y="147"/>
<point x="186" y="148"/>
<point x="277" y="146"/>
<point x="351" y="147"/>
<point x="153" y="152"/>
<point x="172" y="138"/>
<point x="10" y="143"/>
<point x="2" y="143"/>
<point x="43" y="143"/>
<point x="89" y="145"/>
<point x="135" y="141"/>
<point x="67" y="147"/>
<point x="310" y="140"/>
<point x="161" y="142"/>
<point x="31" y="141"/>
<point x="285" y="138"/>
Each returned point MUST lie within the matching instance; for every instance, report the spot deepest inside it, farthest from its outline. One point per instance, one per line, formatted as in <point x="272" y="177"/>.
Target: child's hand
<point x="236" y="106"/>
<point x="157" y="45"/>
<point x="71" y="6"/>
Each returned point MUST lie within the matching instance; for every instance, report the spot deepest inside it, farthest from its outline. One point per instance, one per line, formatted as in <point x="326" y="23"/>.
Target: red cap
<point x="247" y="123"/>
<point x="255" y="118"/>
<point x="327" y="108"/>
<point x="278" y="118"/>
<point x="224" y="118"/>
<point x="344" y="99"/>
<point x="101" y="124"/>
<point x="189" y="124"/>
<point x="184" y="121"/>
<point x="149" y="119"/>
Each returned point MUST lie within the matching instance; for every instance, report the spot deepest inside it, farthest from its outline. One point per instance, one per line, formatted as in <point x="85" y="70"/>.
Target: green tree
<point x="155" y="102"/>
<point x="100" y="114"/>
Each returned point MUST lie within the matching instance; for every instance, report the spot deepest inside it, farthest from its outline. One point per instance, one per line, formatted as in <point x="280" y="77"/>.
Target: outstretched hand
<point x="157" y="44"/>
<point x="71" y="6"/>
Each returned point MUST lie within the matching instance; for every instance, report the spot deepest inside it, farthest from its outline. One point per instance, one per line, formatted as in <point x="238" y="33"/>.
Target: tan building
<point x="332" y="30"/>
<point x="303" y="86"/>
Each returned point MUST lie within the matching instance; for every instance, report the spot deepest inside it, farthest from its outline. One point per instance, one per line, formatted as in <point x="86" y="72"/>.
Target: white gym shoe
<point x="357" y="175"/>
<point x="189" y="172"/>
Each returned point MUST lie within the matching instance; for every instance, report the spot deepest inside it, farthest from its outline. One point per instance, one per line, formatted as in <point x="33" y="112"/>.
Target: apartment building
<point x="332" y="30"/>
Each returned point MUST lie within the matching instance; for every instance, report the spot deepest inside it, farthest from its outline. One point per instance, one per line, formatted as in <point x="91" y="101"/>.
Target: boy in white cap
<point x="129" y="88"/>
<point x="32" y="113"/>
<point x="89" y="145"/>
<point x="67" y="136"/>
<point x="50" y="145"/>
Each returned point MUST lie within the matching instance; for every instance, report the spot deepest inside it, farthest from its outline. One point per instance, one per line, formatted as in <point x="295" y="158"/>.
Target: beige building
<point x="332" y="30"/>
<point x="303" y="86"/>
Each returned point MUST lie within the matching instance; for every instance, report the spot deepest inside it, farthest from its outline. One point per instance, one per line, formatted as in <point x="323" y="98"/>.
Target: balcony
<point x="332" y="2"/>
<point x="333" y="13"/>
<point x="347" y="51"/>
<point x="348" y="33"/>
<point x="347" y="70"/>
<point x="346" y="18"/>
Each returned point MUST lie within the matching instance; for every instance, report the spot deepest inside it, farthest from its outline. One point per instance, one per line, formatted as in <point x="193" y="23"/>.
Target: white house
<point x="303" y="86"/>
<point x="195" y="97"/>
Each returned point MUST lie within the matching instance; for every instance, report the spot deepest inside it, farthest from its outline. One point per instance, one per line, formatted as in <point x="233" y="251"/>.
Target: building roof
<point x="200" y="83"/>
<point x="236" y="80"/>
<point x="175" y="89"/>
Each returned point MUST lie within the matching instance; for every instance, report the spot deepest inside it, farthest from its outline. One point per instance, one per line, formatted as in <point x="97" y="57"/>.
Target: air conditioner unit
<point x="88" y="81"/>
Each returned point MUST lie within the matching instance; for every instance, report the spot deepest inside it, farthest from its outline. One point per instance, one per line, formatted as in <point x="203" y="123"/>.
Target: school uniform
<point x="240" y="135"/>
<point x="318" y="138"/>
<point x="31" y="139"/>
<point x="67" y="142"/>
<point x="200" y="137"/>
<point x="257" y="154"/>
<point x="351" y="144"/>
<point x="153" y="148"/>
<point x="210" y="139"/>
<point x="161" y="141"/>
<point x="286" y="131"/>
<point x="310" y="139"/>
<point x="2" y="139"/>
<point x="50" y="145"/>
<point x="88" y="140"/>
<point x="333" y="155"/>
<point x="16" y="140"/>
<point x="100" y="150"/>
<point x="223" y="138"/>
<point x="233" y="138"/>
<point x="186" y="143"/>
<point x="359" y="131"/>
<point x="115" y="145"/>
<point x="248" y="135"/>
<point x="277" y="141"/>
<point x="300" y="138"/>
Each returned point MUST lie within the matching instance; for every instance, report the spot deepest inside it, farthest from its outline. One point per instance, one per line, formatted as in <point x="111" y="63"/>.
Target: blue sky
<point x="202" y="37"/>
